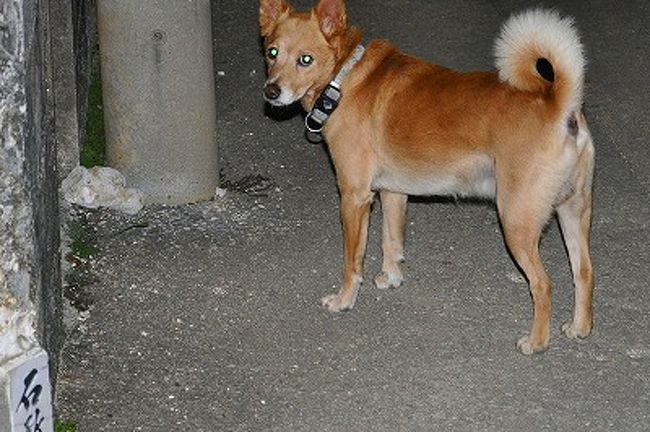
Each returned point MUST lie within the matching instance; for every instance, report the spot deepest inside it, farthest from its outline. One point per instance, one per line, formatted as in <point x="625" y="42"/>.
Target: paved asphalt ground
<point x="207" y="317"/>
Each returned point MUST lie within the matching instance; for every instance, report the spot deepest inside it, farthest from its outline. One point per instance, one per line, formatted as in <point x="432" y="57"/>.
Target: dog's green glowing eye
<point x="305" y="60"/>
<point x="272" y="53"/>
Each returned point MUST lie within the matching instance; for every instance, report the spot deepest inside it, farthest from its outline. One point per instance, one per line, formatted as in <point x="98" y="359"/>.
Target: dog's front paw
<point x="335" y="303"/>
<point x="385" y="280"/>
<point x="527" y="347"/>
<point x="574" y="331"/>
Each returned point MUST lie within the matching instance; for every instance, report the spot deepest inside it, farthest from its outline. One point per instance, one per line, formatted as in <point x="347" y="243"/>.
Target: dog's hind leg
<point x="574" y="216"/>
<point x="393" y="208"/>
<point x="523" y="214"/>
<point x="355" y="210"/>
<point x="523" y="241"/>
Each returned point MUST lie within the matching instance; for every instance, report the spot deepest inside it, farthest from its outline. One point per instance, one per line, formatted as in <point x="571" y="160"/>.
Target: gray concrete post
<point x="159" y="99"/>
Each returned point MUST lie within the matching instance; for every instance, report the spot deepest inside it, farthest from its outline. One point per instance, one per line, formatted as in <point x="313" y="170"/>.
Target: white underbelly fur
<point x="479" y="182"/>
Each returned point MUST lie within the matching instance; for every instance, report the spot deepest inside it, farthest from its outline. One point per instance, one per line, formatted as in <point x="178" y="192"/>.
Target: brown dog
<point x="406" y="127"/>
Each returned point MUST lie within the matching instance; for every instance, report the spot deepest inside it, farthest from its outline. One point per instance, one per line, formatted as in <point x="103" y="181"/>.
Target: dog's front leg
<point x="355" y="209"/>
<point x="393" y="209"/>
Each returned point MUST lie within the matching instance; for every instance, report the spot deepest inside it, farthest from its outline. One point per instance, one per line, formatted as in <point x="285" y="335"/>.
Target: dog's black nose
<point x="272" y="91"/>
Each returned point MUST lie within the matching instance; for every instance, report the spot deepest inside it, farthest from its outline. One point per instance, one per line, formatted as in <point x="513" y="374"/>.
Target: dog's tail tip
<point x="540" y="50"/>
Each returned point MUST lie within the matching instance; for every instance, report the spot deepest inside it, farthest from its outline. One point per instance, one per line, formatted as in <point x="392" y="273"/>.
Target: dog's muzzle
<point x="272" y="92"/>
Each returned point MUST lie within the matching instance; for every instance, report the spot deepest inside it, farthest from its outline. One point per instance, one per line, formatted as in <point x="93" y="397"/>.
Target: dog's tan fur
<point x="405" y="126"/>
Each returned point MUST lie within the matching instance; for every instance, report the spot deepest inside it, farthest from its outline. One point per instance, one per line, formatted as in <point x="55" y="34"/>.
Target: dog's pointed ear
<point x="270" y="13"/>
<point x="332" y="16"/>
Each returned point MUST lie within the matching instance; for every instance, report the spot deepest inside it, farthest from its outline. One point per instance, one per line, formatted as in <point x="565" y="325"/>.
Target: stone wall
<point x="16" y="228"/>
<point x="42" y="178"/>
<point x="29" y="214"/>
<point x="46" y="52"/>
<point x="30" y="282"/>
<point x="45" y="69"/>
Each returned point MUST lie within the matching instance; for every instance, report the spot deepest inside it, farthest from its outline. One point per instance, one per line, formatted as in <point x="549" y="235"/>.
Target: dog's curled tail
<point x="537" y="51"/>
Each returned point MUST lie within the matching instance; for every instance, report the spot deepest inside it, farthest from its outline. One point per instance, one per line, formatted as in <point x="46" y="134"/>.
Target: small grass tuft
<point x="81" y="246"/>
<point x="79" y="275"/>
<point x="94" y="149"/>
<point x="65" y="426"/>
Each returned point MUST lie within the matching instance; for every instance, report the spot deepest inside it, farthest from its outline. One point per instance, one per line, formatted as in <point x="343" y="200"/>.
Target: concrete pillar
<point x="159" y="99"/>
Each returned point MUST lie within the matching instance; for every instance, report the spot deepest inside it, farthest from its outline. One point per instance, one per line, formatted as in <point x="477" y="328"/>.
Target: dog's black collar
<point x="330" y="97"/>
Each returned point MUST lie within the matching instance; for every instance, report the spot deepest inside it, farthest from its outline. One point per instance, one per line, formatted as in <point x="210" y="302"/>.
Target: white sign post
<point x="27" y="385"/>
